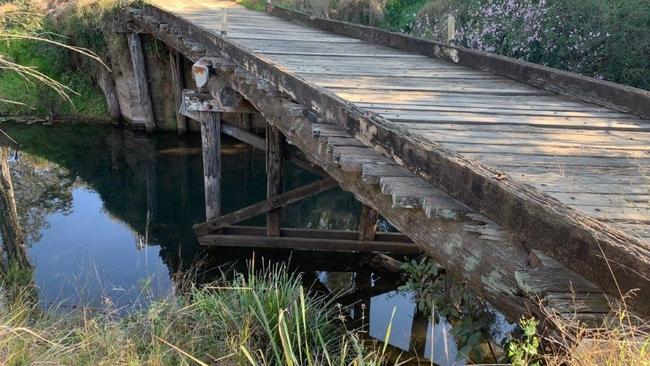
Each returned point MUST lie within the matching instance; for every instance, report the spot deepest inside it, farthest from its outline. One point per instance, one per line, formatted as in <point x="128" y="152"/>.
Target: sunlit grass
<point x="261" y="318"/>
<point x="37" y="72"/>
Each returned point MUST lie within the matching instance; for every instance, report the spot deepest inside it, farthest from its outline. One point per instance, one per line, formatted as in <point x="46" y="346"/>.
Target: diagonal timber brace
<point x="278" y="201"/>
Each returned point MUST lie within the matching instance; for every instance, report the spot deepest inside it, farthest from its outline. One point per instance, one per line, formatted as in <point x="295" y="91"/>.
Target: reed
<point x="263" y="317"/>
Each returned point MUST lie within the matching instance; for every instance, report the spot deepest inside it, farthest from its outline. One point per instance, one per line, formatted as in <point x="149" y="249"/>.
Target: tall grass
<point x="263" y="317"/>
<point x="42" y="51"/>
<point x="618" y="339"/>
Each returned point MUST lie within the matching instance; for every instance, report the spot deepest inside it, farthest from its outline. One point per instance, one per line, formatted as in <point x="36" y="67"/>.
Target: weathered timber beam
<point x="311" y="244"/>
<point x="205" y="101"/>
<point x="178" y="83"/>
<point x="278" y="201"/>
<point x="580" y="242"/>
<point x="313" y="233"/>
<point x="211" y="149"/>
<point x="244" y="136"/>
<point x="257" y="142"/>
<point x="608" y="94"/>
<point x="274" y="172"/>
<point x="367" y="223"/>
<point x="245" y="120"/>
<point x="230" y="130"/>
<point x="143" y="95"/>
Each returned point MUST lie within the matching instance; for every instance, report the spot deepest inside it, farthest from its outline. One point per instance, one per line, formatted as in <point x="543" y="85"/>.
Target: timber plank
<point x="408" y="120"/>
<point x="547" y="150"/>
<point x="372" y="173"/>
<point x="491" y="110"/>
<point x="314" y="233"/>
<point x="311" y="244"/>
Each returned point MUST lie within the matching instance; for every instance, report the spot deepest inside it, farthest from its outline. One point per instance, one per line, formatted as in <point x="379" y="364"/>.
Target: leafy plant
<point x="439" y="293"/>
<point x="524" y="352"/>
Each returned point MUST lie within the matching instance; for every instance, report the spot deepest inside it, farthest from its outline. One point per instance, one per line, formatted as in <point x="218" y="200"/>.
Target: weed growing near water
<point x="438" y="293"/>
<point x="258" y="318"/>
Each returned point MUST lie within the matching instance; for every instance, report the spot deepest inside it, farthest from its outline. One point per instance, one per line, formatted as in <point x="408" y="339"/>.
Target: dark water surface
<point x="109" y="216"/>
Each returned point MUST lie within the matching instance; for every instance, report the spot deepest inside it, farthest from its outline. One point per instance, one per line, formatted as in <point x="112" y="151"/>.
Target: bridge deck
<point x="591" y="158"/>
<point x="445" y="118"/>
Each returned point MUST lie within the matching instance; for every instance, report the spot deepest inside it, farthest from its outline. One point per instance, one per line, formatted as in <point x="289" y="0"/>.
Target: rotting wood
<point x="367" y="223"/>
<point x="274" y="181"/>
<point x="176" y="62"/>
<point x="274" y="202"/>
<point x="141" y="81"/>
<point x="211" y="150"/>
<point x="311" y="244"/>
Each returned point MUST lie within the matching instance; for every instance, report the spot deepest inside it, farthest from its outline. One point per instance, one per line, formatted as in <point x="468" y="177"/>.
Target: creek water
<point x="108" y="216"/>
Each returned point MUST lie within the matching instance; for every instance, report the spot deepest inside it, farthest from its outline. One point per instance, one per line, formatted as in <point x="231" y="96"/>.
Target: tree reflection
<point x="42" y="188"/>
<point x="16" y="270"/>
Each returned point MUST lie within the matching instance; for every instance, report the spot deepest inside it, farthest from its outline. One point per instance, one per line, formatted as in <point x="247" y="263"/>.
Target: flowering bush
<point x="600" y="38"/>
<point x="508" y="27"/>
<point x="604" y="39"/>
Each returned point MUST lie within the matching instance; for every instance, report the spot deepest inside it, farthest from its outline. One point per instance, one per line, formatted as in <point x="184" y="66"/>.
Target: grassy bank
<point x="67" y="23"/>
<point x="598" y="38"/>
<point x="265" y="318"/>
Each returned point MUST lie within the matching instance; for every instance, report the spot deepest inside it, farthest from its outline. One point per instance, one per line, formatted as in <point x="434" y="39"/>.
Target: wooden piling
<point x="274" y="167"/>
<point x="211" y="147"/>
<point x="178" y="83"/>
<point x="367" y="223"/>
<point x="107" y="84"/>
<point x="245" y="120"/>
<point x="141" y="80"/>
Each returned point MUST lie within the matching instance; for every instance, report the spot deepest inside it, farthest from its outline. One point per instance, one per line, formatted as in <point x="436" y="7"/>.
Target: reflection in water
<point x="15" y="267"/>
<point x="108" y="218"/>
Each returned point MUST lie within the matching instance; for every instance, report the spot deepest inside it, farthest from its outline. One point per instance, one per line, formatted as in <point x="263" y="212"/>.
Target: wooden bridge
<point x="526" y="182"/>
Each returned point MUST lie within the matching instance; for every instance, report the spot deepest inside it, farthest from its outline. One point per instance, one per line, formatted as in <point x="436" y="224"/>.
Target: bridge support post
<point x="141" y="80"/>
<point x="367" y="223"/>
<point x="211" y="148"/>
<point x="274" y="167"/>
<point x="178" y="83"/>
<point x="245" y="120"/>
